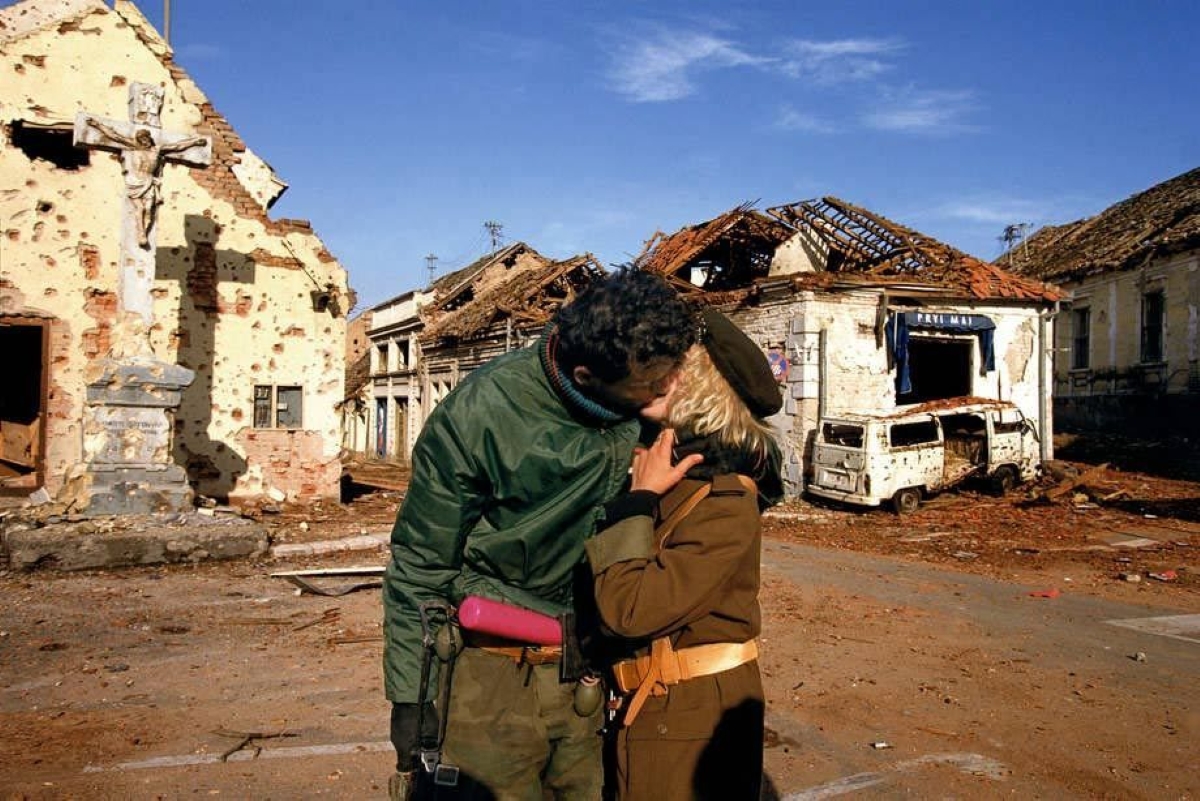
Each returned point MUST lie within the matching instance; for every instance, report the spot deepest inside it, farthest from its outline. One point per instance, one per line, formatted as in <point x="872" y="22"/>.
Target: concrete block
<point x="132" y="540"/>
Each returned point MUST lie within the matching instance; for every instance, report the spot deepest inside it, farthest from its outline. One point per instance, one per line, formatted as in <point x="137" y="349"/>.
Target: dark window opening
<point x="939" y="368"/>
<point x="903" y="434"/>
<point x="20" y="407"/>
<point x="963" y="424"/>
<point x="842" y="434"/>
<point x="1081" y="325"/>
<point x="49" y="144"/>
<point x="1153" y="306"/>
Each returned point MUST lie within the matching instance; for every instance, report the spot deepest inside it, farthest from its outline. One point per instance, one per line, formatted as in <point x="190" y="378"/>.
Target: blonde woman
<point x="676" y="574"/>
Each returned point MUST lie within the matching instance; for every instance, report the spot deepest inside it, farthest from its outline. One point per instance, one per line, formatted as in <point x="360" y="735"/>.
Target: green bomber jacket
<point x="509" y="476"/>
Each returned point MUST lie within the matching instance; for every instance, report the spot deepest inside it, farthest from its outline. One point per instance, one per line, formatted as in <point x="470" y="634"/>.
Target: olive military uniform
<point x="703" y="739"/>
<point x="509" y="475"/>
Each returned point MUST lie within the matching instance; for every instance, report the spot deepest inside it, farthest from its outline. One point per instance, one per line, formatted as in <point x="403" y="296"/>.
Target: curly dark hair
<point x="628" y="317"/>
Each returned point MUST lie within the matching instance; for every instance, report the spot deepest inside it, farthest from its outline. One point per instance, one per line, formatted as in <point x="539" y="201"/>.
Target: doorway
<point x="381" y="434"/>
<point x="22" y="405"/>
<point x="401" y="430"/>
<point x="939" y="367"/>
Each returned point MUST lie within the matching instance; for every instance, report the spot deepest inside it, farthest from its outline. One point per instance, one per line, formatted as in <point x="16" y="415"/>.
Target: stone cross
<point x="145" y="148"/>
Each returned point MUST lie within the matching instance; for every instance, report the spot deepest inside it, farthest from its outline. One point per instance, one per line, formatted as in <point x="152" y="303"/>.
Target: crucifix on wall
<point x="144" y="149"/>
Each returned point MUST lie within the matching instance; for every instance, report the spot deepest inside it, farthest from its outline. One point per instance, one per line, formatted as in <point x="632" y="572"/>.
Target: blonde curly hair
<point x="706" y="405"/>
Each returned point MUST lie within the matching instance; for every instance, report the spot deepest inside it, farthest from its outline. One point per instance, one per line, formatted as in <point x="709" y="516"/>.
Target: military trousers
<point x="514" y="734"/>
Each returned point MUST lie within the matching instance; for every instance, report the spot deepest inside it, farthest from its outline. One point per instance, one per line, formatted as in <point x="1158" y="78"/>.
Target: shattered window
<point x="278" y="407"/>
<point x="52" y="144"/>
<point x="903" y="434"/>
<point x="849" y="436"/>
<point x="262" y="407"/>
<point x="288" y="404"/>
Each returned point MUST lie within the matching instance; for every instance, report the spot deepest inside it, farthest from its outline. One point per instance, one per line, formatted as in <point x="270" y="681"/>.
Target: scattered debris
<point x="1056" y="492"/>
<point x="351" y="640"/>
<point x="879" y="746"/>
<point x="1133" y="578"/>
<point x="301" y="578"/>
<point x="1140" y="656"/>
<point x="1166" y="575"/>
<point x="1050" y="593"/>
<point x="328" y="616"/>
<point x="965" y="555"/>
<point x="246" y="738"/>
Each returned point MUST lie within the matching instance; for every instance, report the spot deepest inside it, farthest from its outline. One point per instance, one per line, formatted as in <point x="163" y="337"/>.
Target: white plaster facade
<point x="395" y="412"/>
<point x="245" y="301"/>
<point x="838" y="361"/>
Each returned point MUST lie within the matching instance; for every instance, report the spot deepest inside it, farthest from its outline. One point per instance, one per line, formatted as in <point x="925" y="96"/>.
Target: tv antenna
<point x="431" y="265"/>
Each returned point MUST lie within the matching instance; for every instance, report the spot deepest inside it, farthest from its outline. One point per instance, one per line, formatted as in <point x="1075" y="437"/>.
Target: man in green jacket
<point x="508" y="479"/>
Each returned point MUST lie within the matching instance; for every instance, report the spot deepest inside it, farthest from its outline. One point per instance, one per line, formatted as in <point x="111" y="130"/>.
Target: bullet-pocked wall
<point x="255" y="306"/>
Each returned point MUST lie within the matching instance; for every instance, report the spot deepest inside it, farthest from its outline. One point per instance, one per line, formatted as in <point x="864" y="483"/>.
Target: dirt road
<point x="903" y="656"/>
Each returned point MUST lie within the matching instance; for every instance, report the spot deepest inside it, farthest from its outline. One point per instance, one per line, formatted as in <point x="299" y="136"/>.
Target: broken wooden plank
<point x="1054" y="493"/>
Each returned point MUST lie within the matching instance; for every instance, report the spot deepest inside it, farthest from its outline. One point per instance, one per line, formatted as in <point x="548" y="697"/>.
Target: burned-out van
<point x="903" y="456"/>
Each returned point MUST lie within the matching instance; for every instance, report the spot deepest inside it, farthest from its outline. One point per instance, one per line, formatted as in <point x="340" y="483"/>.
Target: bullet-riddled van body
<point x="903" y="456"/>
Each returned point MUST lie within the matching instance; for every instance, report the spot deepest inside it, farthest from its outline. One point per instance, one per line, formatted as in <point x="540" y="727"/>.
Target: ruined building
<point x="424" y="342"/>
<point x="858" y="313"/>
<point x="1129" y="344"/>
<point x="253" y="308"/>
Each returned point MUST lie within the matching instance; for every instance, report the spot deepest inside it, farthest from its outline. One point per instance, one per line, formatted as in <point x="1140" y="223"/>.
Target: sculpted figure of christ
<point x="142" y="159"/>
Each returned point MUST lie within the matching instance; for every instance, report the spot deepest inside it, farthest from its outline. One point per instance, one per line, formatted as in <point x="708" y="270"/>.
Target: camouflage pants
<point x="514" y="734"/>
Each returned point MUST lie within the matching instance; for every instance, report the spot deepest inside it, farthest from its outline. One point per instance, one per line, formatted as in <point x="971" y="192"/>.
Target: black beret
<point x="741" y="362"/>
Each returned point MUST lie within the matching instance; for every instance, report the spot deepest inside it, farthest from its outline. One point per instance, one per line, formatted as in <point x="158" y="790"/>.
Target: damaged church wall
<point x="243" y="300"/>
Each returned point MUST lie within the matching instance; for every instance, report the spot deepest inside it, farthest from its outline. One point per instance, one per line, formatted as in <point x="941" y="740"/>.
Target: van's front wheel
<point x="907" y="500"/>
<point x="1005" y="479"/>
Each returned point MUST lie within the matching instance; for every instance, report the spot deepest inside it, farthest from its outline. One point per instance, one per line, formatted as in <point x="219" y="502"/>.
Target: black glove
<point x="404" y="733"/>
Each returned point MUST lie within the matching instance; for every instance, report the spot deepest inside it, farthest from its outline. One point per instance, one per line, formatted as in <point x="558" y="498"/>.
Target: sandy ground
<point x="965" y="651"/>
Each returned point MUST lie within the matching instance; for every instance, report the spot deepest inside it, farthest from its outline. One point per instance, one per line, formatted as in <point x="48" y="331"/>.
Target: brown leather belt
<point x="685" y="663"/>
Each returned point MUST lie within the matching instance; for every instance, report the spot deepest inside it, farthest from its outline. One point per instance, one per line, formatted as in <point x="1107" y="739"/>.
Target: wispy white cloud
<point x="510" y="46"/>
<point x="665" y="65"/>
<point x="200" y="51"/>
<point x="838" y="60"/>
<point x="995" y="211"/>
<point x="662" y="67"/>
<point x="792" y="119"/>
<point x="931" y="111"/>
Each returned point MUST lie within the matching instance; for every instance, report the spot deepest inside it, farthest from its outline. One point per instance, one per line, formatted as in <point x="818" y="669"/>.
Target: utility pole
<point x="1013" y="233"/>
<point x="495" y="229"/>
<point x="431" y="265"/>
<point x="167" y="21"/>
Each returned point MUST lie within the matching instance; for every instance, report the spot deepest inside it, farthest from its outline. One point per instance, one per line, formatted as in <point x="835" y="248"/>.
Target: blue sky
<point x="402" y="126"/>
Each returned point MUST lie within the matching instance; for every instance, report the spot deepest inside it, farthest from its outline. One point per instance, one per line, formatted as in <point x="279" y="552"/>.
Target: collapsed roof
<point x="732" y="250"/>
<point x="735" y="252"/>
<point x="517" y="283"/>
<point x="1160" y="221"/>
